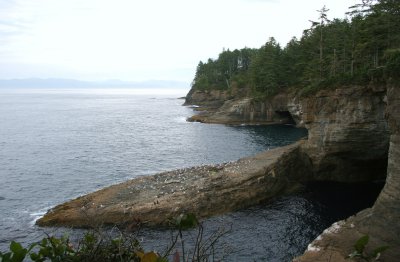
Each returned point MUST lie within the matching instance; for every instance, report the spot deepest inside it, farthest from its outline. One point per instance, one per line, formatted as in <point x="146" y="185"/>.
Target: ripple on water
<point x="61" y="145"/>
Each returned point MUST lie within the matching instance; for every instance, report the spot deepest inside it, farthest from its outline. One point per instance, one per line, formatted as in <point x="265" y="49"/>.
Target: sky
<point x="139" y="40"/>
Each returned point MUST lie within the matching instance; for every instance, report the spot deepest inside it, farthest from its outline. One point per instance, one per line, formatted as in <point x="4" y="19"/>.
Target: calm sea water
<point x="58" y="144"/>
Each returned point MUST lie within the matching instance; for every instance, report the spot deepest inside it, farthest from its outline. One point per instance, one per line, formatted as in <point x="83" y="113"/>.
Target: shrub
<point x="116" y="245"/>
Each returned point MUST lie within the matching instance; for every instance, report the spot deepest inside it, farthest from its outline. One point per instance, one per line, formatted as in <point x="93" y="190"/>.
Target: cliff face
<point x="239" y="109"/>
<point x="348" y="140"/>
<point x="348" y="135"/>
<point x="381" y="222"/>
<point x="389" y="199"/>
<point x="213" y="98"/>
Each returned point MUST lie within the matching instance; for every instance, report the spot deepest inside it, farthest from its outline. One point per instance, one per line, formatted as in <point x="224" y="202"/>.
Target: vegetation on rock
<point x="359" y="250"/>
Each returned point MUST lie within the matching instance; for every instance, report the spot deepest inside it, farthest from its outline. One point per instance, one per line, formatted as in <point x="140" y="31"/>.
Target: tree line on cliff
<point x="362" y="48"/>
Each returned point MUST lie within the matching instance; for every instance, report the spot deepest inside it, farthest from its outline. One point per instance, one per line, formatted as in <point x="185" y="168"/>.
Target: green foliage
<point x="92" y="247"/>
<point x="359" y="246"/>
<point x="99" y="245"/>
<point x="218" y="74"/>
<point x="186" y="221"/>
<point x="266" y="69"/>
<point x="357" y="50"/>
<point x="359" y="250"/>
<point x="203" y="249"/>
<point x="392" y="69"/>
<point x="17" y="253"/>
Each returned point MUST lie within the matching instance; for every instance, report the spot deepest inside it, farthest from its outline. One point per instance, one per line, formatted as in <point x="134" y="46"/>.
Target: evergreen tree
<point x="266" y="70"/>
<point x="365" y="47"/>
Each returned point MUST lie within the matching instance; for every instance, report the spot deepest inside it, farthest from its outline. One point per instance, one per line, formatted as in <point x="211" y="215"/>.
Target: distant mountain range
<point x="71" y="83"/>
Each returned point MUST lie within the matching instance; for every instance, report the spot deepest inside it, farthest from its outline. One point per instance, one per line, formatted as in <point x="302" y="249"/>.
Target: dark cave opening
<point x="285" y="117"/>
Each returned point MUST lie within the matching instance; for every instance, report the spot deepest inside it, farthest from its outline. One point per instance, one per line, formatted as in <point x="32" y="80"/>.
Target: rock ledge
<point x="204" y="190"/>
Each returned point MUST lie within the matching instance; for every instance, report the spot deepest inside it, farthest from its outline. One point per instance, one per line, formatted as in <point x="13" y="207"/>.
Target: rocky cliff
<point x="348" y="135"/>
<point x="348" y="141"/>
<point x="381" y="222"/>
<point x="214" y="98"/>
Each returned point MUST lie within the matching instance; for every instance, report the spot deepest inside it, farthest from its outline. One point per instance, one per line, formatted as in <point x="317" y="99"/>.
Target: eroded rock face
<point x="381" y="222"/>
<point x="389" y="199"/>
<point x="348" y="136"/>
<point x="348" y="141"/>
<point x="213" y="98"/>
<point x="246" y="110"/>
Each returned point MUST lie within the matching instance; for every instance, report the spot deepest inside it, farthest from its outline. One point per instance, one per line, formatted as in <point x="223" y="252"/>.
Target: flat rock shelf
<point x="205" y="191"/>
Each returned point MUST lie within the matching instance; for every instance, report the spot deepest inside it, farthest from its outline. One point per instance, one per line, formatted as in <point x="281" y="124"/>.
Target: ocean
<point x="58" y="144"/>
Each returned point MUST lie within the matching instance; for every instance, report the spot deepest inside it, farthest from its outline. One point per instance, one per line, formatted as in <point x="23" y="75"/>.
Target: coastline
<point x="343" y="125"/>
<point x="204" y="191"/>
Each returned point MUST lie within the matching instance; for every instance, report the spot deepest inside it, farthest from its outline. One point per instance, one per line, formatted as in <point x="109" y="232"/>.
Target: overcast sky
<point x="138" y="40"/>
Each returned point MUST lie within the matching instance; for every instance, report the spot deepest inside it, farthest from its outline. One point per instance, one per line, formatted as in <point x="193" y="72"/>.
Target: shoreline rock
<point x="204" y="190"/>
<point x="343" y="125"/>
<point x="348" y="141"/>
<point x="381" y="222"/>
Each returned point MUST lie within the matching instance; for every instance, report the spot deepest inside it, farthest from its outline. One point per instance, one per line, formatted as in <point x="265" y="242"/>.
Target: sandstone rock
<point x="204" y="191"/>
<point x="248" y="111"/>
<point x="381" y="222"/>
<point x="348" y="141"/>
<point x="348" y="135"/>
<point x="214" y="98"/>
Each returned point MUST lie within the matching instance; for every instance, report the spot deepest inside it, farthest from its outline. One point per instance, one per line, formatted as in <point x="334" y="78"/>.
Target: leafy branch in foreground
<point x="117" y="245"/>
<point x="203" y="248"/>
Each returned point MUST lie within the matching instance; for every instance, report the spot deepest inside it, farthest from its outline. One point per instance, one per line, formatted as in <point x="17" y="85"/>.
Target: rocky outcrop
<point x="348" y="140"/>
<point x="381" y="222"/>
<point x="243" y="111"/>
<point x="348" y="135"/>
<point x="204" y="191"/>
<point x="248" y="111"/>
<point x="211" y="99"/>
<point x="214" y="98"/>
